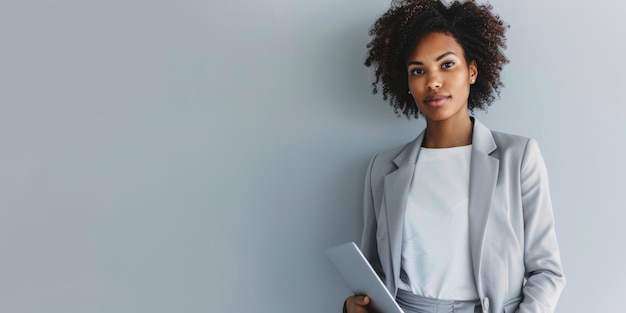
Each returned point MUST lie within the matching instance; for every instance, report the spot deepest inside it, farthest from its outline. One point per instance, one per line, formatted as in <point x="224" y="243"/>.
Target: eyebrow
<point x="437" y="59"/>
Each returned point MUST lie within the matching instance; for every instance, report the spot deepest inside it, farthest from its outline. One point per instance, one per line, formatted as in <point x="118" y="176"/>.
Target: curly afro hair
<point x="477" y="30"/>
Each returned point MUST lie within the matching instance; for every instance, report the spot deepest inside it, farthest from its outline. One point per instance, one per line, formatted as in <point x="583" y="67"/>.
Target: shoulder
<point x="497" y="143"/>
<point x="509" y="141"/>
<point x="387" y="161"/>
<point x="516" y="149"/>
<point x="389" y="155"/>
<point x="383" y="162"/>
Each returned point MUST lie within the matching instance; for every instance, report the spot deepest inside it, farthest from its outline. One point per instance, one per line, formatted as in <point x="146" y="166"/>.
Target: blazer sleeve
<point x="369" y="245"/>
<point x="543" y="270"/>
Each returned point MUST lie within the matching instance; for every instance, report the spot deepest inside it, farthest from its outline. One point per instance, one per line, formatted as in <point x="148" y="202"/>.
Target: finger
<point x="361" y="300"/>
<point x="366" y="300"/>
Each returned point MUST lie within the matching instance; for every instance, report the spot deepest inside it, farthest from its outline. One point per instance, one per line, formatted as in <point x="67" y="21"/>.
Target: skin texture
<point x="439" y="80"/>
<point x="357" y="304"/>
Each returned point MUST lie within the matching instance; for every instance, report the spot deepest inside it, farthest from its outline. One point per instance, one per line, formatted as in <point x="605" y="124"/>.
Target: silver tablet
<point x="361" y="278"/>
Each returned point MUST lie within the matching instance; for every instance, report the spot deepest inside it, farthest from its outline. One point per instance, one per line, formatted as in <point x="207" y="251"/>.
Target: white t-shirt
<point x="435" y="243"/>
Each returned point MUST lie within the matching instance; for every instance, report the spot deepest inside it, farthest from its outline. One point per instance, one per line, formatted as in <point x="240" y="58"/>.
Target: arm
<point x="543" y="270"/>
<point x="369" y="245"/>
<point x="358" y="304"/>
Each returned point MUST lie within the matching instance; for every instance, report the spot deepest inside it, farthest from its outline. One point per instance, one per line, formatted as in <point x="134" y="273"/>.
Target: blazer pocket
<point x="512" y="305"/>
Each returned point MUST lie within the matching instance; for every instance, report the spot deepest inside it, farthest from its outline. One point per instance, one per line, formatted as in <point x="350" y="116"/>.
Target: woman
<point x="460" y="219"/>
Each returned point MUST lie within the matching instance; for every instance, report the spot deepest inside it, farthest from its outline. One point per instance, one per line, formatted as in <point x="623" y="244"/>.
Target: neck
<point x="448" y="133"/>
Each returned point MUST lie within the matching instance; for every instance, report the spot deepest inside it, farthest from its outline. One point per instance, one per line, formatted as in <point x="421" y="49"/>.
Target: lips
<point x="435" y="100"/>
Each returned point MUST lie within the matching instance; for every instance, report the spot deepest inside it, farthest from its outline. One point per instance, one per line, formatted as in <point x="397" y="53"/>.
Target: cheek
<point x="417" y="85"/>
<point x="461" y="84"/>
<point x="462" y="78"/>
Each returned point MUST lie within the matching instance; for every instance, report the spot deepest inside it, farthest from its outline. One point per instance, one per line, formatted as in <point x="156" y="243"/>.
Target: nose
<point x="434" y="82"/>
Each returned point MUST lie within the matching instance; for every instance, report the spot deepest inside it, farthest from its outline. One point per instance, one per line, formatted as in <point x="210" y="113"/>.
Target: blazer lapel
<point x="483" y="179"/>
<point x="397" y="184"/>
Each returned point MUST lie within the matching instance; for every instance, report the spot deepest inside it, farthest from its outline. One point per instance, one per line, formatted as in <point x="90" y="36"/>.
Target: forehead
<point x="432" y="45"/>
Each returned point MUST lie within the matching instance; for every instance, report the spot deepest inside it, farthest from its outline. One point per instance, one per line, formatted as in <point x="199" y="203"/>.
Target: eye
<point x="448" y="64"/>
<point x="416" y="71"/>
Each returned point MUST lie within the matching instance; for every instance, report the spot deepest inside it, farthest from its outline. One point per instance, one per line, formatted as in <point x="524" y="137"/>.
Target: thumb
<point x="363" y="300"/>
<point x="366" y="300"/>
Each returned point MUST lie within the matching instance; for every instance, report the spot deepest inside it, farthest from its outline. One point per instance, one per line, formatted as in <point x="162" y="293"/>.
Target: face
<point x="439" y="78"/>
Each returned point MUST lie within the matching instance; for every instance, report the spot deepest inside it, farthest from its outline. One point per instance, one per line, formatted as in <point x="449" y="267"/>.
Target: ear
<point x="473" y="70"/>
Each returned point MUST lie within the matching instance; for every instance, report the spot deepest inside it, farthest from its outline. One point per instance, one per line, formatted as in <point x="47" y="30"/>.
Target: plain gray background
<point x="199" y="156"/>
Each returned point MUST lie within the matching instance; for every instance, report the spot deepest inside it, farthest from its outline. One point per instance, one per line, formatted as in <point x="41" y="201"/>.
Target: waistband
<point x="412" y="303"/>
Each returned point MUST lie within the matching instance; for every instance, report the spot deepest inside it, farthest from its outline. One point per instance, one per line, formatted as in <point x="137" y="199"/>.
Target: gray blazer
<point x="515" y="256"/>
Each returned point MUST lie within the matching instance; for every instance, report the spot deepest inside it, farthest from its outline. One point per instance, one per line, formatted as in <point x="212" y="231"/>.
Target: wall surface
<point x="198" y="156"/>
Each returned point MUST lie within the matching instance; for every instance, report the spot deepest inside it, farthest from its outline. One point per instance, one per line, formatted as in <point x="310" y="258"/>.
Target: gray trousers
<point x="411" y="303"/>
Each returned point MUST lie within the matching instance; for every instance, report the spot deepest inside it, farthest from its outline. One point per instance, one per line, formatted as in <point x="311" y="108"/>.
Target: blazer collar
<point x="483" y="178"/>
<point x="408" y="155"/>
<point x="482" y="141"/>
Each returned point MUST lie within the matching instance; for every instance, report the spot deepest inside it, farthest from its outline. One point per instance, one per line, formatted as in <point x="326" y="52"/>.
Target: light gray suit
<point x="514" y="250"/>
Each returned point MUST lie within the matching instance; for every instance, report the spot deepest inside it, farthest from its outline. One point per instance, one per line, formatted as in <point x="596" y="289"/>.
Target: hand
<point x="357" y="304"/>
